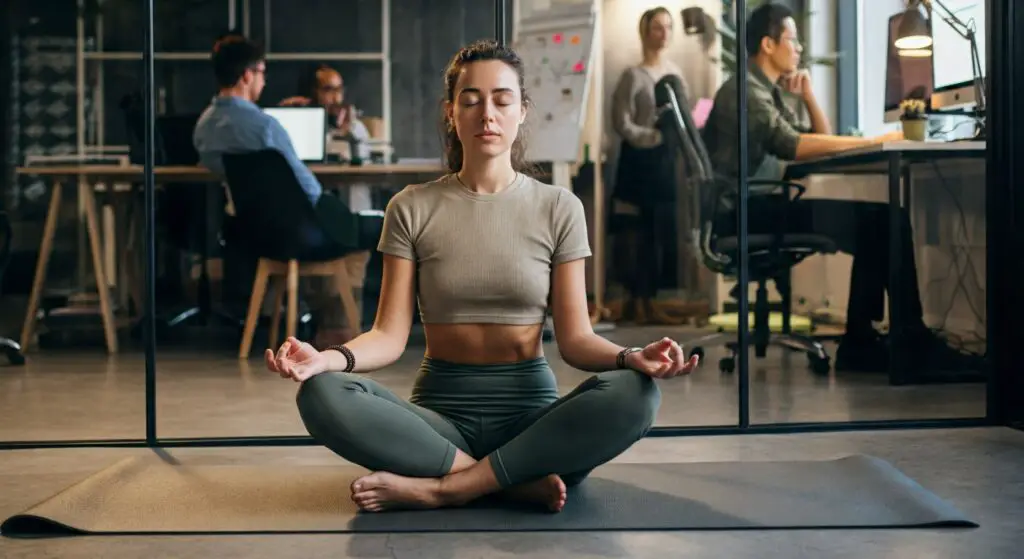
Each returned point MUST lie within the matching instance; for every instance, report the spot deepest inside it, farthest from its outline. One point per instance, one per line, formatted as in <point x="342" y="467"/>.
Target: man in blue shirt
<point x="233" y="123"/>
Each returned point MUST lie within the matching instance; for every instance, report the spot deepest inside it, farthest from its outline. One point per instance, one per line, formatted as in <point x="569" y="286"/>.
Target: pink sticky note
<point x="701" y="112"/>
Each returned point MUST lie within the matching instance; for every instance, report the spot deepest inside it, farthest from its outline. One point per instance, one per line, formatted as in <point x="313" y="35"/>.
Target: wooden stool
<point x="290" y="272"/>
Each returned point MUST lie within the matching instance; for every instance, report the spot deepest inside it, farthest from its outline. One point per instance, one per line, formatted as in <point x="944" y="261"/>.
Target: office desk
<point x="895" y="160"/>
<point x="326" y="172"/>
<point x="88" y="176"/>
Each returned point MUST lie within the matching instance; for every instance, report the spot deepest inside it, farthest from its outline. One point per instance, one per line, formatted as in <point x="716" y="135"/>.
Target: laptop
<point x="307" y="128"/>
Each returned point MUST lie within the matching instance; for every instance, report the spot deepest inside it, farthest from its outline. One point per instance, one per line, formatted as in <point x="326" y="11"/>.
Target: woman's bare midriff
<point x="482" y="344"/>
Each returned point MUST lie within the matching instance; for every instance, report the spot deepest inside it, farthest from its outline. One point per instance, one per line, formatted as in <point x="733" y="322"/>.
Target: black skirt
<point x="644" y="177"/>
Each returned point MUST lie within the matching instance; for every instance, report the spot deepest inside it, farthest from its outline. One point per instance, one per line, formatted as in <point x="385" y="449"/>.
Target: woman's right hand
<point x="296" y="360"/>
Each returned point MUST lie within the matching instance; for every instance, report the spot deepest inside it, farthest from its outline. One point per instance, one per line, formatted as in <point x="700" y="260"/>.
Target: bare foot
<point x="386" y="491"/>
<point x="548" y="491"/>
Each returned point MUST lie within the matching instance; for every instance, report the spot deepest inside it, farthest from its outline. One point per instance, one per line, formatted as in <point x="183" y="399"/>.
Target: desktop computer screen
<point x="950" y="51"/>
<point x="307" y="128"/>
<point x="954" y="74"/>
<point x="905" y="76"/>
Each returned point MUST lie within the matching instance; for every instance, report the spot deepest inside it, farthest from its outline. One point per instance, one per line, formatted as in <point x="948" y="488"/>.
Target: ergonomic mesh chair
<point x="769" y="256"/>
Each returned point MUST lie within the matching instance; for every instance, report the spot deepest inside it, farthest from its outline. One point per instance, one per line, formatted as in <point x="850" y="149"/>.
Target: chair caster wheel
<point x="698" y="351"/>
<point x="727" y="364"/>
<point x="12" y="351"/>
<point x="820" y="366"/>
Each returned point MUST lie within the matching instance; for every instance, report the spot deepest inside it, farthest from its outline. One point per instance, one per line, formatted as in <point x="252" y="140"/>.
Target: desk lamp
<point x="914" y="38"/>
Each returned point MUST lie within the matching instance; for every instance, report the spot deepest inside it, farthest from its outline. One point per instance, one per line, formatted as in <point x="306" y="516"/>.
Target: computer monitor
<point x="307" y="128"/>
<point x="906" y="76"/>
<point x="954" y="75"/>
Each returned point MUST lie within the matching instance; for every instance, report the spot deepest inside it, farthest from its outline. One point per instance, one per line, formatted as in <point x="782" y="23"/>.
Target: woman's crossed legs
<point x="420" y="459"/>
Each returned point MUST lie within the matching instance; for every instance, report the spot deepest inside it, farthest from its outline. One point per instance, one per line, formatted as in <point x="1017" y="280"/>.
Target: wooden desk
<point x="189" y="173"/>
<point x="88" y="175"/>
<point x="885" y="158"/>
<point x="896" y="160"/>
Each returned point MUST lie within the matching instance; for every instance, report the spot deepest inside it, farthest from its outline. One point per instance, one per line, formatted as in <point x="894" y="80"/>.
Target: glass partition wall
<point x="899" y="300"/>
<point x="742" y="261"/>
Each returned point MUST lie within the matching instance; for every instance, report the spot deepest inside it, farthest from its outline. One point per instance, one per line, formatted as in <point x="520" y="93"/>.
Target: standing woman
<point x="644" y="198"/>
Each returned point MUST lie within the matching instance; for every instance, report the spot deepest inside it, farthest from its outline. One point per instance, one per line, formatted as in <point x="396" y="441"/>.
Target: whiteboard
<point x="556" y="47"/>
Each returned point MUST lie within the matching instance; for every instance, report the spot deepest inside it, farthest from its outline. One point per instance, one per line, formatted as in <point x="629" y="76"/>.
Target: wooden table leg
<point x="42" y="261"/>
<point x="134" y="267"/>
<point x="98" y="268"/>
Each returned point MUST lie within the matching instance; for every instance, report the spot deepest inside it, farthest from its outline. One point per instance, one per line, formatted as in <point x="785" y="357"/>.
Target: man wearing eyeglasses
<point x="322" y="86"/>
<point x="234" y="123"/>
<point x="775" y="136"/>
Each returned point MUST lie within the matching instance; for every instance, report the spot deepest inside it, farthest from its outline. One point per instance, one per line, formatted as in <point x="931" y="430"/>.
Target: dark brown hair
<point x="480" y="51"/>
<point x="232" y="56"/>
<point x="768" y="20"/>
<point x="648" y="17"/>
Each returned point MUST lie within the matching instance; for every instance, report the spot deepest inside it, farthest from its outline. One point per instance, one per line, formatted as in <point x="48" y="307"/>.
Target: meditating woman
<point x="488" y="251"/>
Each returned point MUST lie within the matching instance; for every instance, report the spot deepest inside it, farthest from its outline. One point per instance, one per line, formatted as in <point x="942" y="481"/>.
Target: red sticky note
<point x="557" y="38"/>
<point x="578" y="67"/>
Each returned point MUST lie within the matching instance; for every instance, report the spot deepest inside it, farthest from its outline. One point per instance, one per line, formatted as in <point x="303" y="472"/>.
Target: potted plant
<point x="914" y="119"/>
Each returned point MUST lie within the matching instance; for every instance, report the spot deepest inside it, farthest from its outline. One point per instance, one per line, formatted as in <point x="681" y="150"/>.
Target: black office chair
<point x="276" y="223"/>
<point x="183" y="209"/>
<point x="11" y="348"/>
<point x="770" y="256"/>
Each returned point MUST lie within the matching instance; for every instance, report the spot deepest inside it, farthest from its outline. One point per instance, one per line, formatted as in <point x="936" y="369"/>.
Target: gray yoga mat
<point x="149" y="496"/>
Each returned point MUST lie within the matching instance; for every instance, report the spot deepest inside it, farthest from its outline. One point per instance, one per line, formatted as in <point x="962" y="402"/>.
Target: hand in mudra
<point x="296" y="360"/>
<point x="662" y="359"/>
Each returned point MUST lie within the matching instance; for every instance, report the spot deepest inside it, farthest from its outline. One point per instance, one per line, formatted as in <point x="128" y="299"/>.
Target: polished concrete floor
<point x="76" y="394"/>
<point x="83" y="394"/>
<point x="976" y="470"/>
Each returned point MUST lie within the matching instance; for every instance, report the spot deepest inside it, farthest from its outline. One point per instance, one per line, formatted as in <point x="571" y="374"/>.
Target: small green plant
<point x="912" y="109"/>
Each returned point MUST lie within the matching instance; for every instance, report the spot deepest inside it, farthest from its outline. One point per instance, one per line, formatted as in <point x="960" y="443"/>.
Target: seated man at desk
<point x="858" y="228"/>
<point x="233" y="123"/>
<point x="322" y="86"/>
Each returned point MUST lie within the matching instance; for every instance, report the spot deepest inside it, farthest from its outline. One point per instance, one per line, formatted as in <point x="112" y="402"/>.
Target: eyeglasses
<point x="792" y="41"/>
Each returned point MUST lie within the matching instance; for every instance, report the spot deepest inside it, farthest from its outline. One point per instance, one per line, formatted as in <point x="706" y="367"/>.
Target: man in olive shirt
<point x="859" y="228"/>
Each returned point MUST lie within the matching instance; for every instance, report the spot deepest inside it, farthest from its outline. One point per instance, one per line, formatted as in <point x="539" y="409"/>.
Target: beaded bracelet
<point x="620" y="359"/>
<point x="350" y="360"/>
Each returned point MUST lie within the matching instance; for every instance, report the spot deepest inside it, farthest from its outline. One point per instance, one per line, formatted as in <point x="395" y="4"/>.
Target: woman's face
<point x="659" y="31"/>
<point x="487" y="108"/>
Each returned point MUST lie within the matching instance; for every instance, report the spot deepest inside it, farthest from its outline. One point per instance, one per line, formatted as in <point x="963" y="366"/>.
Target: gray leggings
<point x="508" y="412"/>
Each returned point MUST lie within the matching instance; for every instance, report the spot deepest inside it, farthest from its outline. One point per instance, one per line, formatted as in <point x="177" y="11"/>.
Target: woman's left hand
<point x="662" y="359"/>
